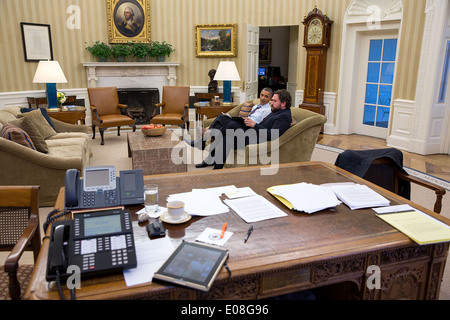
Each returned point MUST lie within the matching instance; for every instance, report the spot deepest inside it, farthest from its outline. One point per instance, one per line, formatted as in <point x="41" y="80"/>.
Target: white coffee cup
<point x="175" y="209"/>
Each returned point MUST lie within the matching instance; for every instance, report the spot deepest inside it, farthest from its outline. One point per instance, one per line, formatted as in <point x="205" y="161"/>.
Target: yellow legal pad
<point x="420" y="227"/>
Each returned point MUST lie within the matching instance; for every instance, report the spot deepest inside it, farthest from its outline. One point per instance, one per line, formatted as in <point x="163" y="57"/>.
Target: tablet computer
<point x="193" y="265"/>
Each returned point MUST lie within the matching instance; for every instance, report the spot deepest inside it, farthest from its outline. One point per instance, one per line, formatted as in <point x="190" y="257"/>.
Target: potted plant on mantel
<point x="120" y="51"/>
<point x="100" y="50"/>
<point x="161" y="50"/>
<point x="141" y="50"/>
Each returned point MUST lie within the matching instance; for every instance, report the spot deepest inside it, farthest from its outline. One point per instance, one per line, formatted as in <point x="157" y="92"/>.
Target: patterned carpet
<point x="24" y="275"/>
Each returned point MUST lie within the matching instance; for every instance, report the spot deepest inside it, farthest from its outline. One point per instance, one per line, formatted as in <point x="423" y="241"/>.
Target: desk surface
<point x="287" y="254"/>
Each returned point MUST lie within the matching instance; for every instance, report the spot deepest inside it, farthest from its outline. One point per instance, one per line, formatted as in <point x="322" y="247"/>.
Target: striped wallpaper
<point x="174" y="21"/>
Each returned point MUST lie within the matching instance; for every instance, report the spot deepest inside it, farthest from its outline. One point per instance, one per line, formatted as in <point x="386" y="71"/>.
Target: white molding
<point x="329" y="101"/>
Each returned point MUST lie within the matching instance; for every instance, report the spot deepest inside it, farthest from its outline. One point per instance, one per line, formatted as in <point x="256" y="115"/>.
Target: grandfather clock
<point x="316" y="42"/>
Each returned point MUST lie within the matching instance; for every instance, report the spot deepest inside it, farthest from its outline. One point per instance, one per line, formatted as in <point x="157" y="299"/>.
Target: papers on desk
<point x="150" y="255"/>
<point x="203" y="202"/>
<point x="255" y="208"/>
<point x="418" y="226"/>
<point x="357" y="196"/>
<point x="305" y="197"/>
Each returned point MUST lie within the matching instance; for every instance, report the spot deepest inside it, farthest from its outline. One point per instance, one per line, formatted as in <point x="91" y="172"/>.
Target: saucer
<point x="184" y="218"/>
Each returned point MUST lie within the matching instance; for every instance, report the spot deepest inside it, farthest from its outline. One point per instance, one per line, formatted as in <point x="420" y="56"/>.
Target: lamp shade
<point x="49" y="72"/>
<point x="227" y="71"/>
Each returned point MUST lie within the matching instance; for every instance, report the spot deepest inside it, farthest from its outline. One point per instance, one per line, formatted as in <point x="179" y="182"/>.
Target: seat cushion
<point x="115" y="120"/>
<point x="168" y="118"/>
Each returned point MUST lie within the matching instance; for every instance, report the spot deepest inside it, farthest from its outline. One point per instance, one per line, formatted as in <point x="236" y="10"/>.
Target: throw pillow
<point x="15" y="134"/>
<point x="44" y="113"/>
<point x="41" y="124"/>
<point x="28" y="126"/>
<point x="245" y="110"/>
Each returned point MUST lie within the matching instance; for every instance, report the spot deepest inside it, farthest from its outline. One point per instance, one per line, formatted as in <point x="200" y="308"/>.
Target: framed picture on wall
<point x="37" y="41"/>
<point x="216" y="40"/>
<point x="265" y="51"/>
<point x="128" y="21"/>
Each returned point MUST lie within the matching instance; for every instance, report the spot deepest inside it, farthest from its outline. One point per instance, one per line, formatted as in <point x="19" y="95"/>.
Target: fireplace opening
<point x="141" y="103"/>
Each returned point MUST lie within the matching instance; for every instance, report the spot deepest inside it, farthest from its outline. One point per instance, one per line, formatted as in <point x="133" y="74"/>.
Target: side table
<point x="69" y="116"/>
<point x="208" y="111"/>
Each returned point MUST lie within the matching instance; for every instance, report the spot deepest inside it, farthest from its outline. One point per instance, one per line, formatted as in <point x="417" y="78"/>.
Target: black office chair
<point x="384" y="167"/>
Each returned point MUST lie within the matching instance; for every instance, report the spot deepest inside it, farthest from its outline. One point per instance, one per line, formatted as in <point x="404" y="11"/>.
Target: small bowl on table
<point x="154" y="132"/>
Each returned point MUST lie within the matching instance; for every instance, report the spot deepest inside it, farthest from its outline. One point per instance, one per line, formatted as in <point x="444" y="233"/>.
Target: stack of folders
<point x="357" y="196"/>
<point x="305" y="197"/>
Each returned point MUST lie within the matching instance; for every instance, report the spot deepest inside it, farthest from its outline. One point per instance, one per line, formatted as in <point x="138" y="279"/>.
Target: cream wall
<point x="174" y="21"/>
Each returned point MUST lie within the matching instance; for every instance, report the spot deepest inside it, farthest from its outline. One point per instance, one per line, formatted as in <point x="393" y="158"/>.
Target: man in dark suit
<point x="270" y="128"/>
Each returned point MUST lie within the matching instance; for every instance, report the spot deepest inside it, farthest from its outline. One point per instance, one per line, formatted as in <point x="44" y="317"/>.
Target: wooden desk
<point x="287" y="254"/>
<point x="209" y="111"/>
<point x="70" y="116"/>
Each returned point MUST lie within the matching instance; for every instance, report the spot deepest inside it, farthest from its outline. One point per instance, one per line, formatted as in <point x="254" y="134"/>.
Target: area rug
<point x="23" y="275"/>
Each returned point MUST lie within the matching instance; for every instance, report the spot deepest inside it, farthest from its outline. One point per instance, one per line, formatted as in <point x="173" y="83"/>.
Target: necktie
<point x="254" y="110"/>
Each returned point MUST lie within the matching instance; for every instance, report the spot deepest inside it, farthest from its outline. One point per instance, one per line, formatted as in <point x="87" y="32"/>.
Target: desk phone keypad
<point x="110" y="197"/>
<point x="117" y="245"/>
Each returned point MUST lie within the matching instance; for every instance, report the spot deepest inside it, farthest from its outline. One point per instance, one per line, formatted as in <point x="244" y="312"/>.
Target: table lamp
<point x="227" y="72"/>
<point x="50" y="72"/>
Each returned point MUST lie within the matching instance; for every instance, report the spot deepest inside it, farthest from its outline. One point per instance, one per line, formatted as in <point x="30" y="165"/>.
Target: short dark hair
<point x="284" y="96"/>
<point x="270" y="91"/>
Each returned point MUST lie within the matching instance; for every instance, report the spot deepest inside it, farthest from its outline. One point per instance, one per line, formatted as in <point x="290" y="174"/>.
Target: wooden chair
<point x="107" y="111"/>
<point x="174" y="107"/>
<point x="19" y="229"/>
<point x="384" y="167"/>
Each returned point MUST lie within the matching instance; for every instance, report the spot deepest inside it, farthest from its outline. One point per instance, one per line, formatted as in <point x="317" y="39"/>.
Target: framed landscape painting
<point x="216" y="40"/>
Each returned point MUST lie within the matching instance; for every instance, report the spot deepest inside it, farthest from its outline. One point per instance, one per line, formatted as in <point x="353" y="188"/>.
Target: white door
<point x="249" y="88"/>
<point x="374" y="87"/>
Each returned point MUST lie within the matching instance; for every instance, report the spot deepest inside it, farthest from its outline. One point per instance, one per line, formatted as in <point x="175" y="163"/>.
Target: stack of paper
<point x="203" y="202"/>
<point x="305" y="197"/>
<point x="358" y="196"/>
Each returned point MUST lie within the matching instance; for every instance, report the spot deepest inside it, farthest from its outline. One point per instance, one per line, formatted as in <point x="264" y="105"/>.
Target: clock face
<point x="315" y="33"/>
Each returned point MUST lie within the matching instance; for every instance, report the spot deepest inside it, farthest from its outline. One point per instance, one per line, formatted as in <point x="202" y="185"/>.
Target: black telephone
<point x="96" y="242"/>
<point x="101" y="188"/>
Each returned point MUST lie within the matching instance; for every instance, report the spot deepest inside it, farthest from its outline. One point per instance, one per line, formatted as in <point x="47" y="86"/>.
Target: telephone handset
<point x="100" y="187"/>
<point x="96" y="242"/>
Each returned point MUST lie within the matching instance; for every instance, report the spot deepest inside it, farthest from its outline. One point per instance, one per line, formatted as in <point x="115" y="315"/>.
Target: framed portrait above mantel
<point x="216" y="40"/>
<point x="129" y="21"/>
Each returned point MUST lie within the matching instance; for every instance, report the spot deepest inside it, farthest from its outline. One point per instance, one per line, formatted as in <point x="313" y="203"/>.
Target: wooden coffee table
<point x="156" y="155"/>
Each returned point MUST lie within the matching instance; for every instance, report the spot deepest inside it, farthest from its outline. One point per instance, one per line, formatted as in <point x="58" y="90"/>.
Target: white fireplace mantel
<point x="131" y="74"/>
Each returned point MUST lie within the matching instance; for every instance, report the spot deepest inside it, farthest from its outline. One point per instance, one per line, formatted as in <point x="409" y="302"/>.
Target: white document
<point x="212" y="236"/>
<point x="359" y="196"/>
<point x="240" y="192"/>
<point x="256" y="208"/>
<point x="203" y="202"/>
<point x="150" y="255"/>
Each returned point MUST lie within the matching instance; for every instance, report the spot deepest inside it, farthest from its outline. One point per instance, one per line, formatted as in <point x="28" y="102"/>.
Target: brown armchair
<point x="106" y="111"/>
<point x="174" y="107"/>
<point x="19" y="229"/>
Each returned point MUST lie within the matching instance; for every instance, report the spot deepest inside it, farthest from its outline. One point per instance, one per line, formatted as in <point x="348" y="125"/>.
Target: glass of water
<point x="151" y="198"/>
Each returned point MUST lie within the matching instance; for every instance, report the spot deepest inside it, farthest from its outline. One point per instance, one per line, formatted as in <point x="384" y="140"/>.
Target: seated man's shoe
<point x="204" y="165"/>
<point x="218" y="166"/>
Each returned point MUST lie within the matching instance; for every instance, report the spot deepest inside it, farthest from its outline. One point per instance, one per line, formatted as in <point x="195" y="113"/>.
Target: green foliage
<point x="160" y="49"/>
<point x="100" y="50"/>
<point x="141" y="50"/>
<point x="121" y="50"/>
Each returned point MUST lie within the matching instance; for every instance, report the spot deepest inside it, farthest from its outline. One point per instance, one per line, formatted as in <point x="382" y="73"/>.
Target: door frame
<point x="360" y="83"/>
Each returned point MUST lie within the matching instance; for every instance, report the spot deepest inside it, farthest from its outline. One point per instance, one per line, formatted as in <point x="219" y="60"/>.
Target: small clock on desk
<point x="316" y="42"/>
